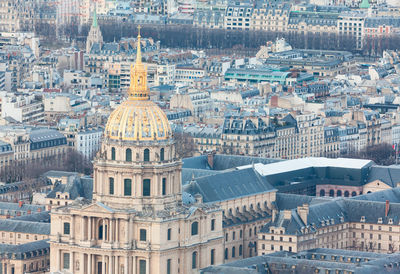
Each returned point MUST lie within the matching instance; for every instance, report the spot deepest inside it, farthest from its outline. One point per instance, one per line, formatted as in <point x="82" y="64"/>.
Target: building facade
<point x="137" y="221"/>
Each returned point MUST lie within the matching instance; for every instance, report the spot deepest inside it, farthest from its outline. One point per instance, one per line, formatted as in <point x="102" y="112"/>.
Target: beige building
<point x="365" y="225"/>
<point x="137" y="221"/>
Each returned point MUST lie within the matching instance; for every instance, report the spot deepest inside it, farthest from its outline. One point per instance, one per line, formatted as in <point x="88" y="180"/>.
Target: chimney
<point x="210" y="159"/>
<point x="387" y="208"/>
<point x="29" y="211"/>
<point x="303" y="212"/>
<point x="198" y="198"/>
<point x="18" y="213"/>
<point x="20" y="204"/>
<point x="39" y="209"/>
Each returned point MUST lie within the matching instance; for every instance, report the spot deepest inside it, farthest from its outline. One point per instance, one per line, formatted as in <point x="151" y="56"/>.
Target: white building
<point x="26" y="108"/>
<point x="88" y="142"/>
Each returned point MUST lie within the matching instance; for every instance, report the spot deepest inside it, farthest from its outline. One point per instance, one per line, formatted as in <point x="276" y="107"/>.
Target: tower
<point x="94" y="35"/>
<point x="137" y="222"/>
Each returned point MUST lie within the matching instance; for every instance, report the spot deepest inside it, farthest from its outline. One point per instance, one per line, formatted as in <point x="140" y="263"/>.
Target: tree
<point x="184" y="145"/>
<point x="381" y="154"/>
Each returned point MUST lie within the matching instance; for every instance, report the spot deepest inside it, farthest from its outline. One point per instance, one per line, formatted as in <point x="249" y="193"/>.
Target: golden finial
<point x="138" y="88"/>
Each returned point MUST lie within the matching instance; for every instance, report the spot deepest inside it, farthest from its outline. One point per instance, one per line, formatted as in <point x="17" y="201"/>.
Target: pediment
<point x="98" y="208"/>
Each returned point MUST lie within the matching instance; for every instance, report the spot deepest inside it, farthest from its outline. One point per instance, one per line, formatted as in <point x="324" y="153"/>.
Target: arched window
<point x="339" y="193"/>
<point x="226" y="253"/>
<point x="331" y="193"/>
<point x="233" y="252"/>
<point x="212" y="256"/>
<point x="146" y="187"/>
<point x="162" y="154"/>
<point x="113" y="153"/>
<point x="146" y="155"/>
<point x="100" y="233"/>
<point x="195" y="228"/>
<point x="128" y="155"/>
<point x="346" y="194"/>
<point x="240" y="250"/>
<point x="322" y="193"/>
<point x="353" y="194"/>
<point x="194" y="260"/>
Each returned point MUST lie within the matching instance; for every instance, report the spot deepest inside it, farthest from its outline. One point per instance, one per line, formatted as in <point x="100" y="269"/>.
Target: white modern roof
<point x="297" y="164"/>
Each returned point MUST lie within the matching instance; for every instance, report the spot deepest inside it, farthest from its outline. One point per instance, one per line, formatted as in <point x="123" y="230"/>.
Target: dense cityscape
<point x="199" y="136"/>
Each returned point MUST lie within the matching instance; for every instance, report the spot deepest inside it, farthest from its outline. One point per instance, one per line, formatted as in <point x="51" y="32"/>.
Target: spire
<point x="95" y="17"/>
<point x="138" y="88"/>
<point x="138" y="50"/>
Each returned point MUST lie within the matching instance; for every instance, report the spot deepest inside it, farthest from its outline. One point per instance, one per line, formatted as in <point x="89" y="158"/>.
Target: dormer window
<point x="362" y="219"/>
<point x="390" y="221"/>
<point x="379" y="220"/>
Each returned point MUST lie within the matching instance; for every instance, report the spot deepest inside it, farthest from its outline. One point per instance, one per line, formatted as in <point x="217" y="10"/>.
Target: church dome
<point x="138" y="118"/>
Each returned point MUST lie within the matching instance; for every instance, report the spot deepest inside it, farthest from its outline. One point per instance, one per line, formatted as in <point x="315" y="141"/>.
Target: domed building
<point x="138" y="221"/>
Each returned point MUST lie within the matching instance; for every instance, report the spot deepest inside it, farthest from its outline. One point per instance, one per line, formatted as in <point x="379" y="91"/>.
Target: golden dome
<point x="138" y="118"/>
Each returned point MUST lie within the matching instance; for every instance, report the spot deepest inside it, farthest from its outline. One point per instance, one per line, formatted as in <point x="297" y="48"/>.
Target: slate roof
<point x="24" y="227"/>
<point x="227" y="185"/>
<point x="25" y="251"/>
<point x="310" y="260"/>
<point x="189" y="173"/>
<point x="43" y="217"/>
<point x="76" y="187"/>
<point x="388" y="175"/>
<point x="40" y="135"/>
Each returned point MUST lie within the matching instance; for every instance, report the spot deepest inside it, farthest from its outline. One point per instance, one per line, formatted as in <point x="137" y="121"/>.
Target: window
<point x="164" y="186"/>
<point x="162" y="154"/>
<point x="146" y="187"/>
<point x="142" y="267"/>
<point x="212" y="257"/>
<point x="226" y="253"/>
<point x="66" y="228"/>
<point x="240" y="250"/>
<point x="66" y="260"/>
<point x="233" y="235"/>
<point x="195" y="228"/>
<point x="143" y="235"/>
<point x="127" y="187"/>
<point x="113" y="153"/>
<point x="194" y="260"/>
<point x="169" y="266"/>
<point x="226" y="237"/>
<point x="146" y="155"/>
<point x="212" y="224"/>
<point x="169" y="234"/>
<point x="111" y="185"/>
<point x="233" y="252"/>
<point x="241" y="234"/>
<point x="128" y="155"/>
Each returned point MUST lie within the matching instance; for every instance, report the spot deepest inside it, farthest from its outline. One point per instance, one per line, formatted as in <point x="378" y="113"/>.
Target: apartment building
<point x="365" y="223"/>
<point x="238" y="15"/>
<point x="24" y="108"/>
<point x="271" y="16"/>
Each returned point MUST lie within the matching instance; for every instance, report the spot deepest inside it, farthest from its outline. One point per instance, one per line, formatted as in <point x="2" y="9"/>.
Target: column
<point x="147" y="266"/>
<point x="117" y="230"/>
<point x="82" y="264"/>
<point x="103" y="264"/>
<point x="111" y="236"/>
<point x="72" y="227"/>
<point x="83" y="228"/>
<point x="126" y="266"/>
<point x="89" y="228"/>
<point x="133" y="265"/>
<point x="71" y="262"/>
<point x="116" y="264"/>
<point x="89" y="264"/>
<point x="110" y="264"/>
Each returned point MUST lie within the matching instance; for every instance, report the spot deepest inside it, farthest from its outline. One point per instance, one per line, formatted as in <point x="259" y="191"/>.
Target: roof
<point x="76" y="187"/>
<point x="388" y="175"/>
<point x="24" y="227"/>
<point x="24" y="251"/>
<point x="227" y="185"/>
<point x="40" y="135"/>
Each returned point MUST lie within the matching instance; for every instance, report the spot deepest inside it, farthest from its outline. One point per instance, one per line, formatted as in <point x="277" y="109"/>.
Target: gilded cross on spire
<point x="138" y="88"/>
